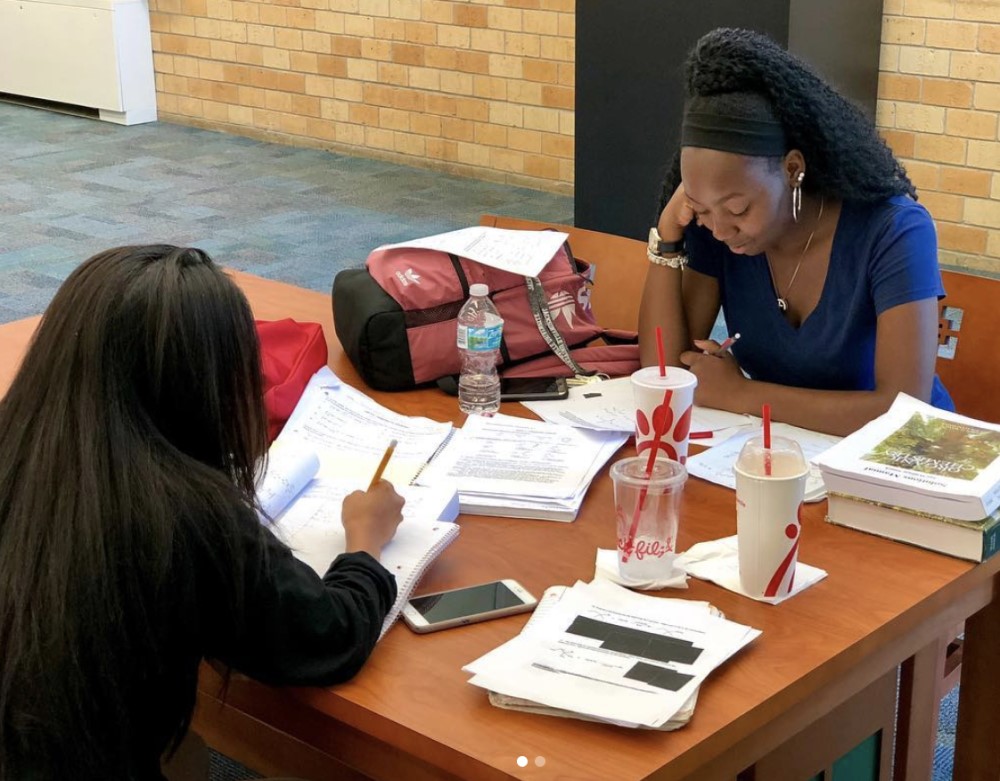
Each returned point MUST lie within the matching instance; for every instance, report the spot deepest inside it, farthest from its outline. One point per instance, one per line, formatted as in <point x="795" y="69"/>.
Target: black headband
<point x="726" y="133"/>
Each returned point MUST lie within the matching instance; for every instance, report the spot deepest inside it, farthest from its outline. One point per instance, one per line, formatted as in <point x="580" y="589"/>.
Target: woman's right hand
<point x="675" y="217"/>
<point x="370" y="518"/>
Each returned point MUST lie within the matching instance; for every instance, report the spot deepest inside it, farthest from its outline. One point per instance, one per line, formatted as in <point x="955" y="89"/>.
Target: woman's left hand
<point x="719" y="377"/>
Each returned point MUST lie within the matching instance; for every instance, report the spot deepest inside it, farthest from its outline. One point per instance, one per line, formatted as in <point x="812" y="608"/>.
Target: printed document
<point x="610" y="654"/>
<point x="716" y="464"/>
<point x="349" y="432"/>
<point x="610" y="406"/>
<point x="505" y="458"/>
<point x="517" y="251"/>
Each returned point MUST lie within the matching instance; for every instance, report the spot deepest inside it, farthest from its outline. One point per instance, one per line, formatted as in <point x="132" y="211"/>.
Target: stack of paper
<point x="601" y="652"/>
<point x="519" y="468"/>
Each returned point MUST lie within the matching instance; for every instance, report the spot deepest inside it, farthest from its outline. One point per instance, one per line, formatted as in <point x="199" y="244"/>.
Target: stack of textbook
<point x="919" y="475"/>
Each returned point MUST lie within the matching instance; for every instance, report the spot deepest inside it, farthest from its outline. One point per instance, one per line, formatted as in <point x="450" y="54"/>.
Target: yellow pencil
<point x="382" y="464"/>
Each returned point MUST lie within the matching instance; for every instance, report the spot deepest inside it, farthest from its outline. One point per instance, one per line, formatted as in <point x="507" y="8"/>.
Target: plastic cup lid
<point x="783" y="449"/>
<point x="666" y="473"/>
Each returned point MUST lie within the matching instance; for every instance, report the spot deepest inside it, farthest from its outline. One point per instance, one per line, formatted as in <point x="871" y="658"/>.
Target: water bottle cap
<point x="479" y="290"/>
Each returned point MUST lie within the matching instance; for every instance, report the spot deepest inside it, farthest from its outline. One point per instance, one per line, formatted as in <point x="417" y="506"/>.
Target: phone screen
<point x="465" y="602"/>
<point x="533" y="387"/>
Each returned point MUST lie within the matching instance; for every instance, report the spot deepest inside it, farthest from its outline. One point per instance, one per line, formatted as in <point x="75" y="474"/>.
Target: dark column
<point x="629" y="92"/>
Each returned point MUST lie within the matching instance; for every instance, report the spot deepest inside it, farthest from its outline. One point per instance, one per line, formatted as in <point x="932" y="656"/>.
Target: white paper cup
<point x="768" y="525"/>
<point x="647" y="513"/>
<point x="649" y="390"/>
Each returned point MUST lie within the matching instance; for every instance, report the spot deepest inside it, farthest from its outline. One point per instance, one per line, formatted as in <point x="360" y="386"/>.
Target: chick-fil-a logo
<point x="640" y="549"/>
<point x="662" y="421"/>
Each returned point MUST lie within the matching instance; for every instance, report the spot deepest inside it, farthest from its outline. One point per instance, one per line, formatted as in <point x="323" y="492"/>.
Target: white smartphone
<point x="460" y="606"/>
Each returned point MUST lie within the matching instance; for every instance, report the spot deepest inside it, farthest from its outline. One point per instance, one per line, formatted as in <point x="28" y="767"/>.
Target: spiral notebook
<point x="304" y="512"/>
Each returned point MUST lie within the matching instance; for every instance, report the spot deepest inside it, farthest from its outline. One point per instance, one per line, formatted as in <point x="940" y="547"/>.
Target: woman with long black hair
<point x="786" y="209"/>
<point x="130" y="546"/>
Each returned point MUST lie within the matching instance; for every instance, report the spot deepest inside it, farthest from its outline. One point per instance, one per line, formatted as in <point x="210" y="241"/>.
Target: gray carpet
<point x="70" y="187"/>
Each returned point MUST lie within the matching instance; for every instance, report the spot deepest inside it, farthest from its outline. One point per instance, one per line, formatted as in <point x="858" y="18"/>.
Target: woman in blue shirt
<point x="792" y="215"/>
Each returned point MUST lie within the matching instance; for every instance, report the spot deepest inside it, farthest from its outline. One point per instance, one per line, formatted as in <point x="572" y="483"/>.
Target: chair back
<point x="967" y="344"/>
<point x="620" y="268"/>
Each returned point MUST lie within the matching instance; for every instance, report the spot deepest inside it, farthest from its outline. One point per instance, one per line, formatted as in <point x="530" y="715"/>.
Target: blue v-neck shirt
<point x="884" y="255"/>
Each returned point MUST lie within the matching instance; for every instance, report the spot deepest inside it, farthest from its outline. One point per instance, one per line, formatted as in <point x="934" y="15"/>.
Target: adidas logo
<point x="563" y="303"/>
<point x="408" y="277"/>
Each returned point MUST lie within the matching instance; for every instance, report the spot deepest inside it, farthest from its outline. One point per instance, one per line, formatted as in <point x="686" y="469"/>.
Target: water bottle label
<point x="479" y="339"/>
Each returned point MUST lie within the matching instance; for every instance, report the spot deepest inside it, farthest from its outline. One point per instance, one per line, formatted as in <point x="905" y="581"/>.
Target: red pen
<point x="726" y="344"/>
<point x="701" y="435"/>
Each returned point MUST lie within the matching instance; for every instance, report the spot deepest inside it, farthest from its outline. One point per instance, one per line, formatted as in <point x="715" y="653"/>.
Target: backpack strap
<point x="547" y="328"/>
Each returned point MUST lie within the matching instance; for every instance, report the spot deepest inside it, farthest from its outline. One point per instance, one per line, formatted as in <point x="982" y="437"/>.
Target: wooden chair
<point x="966" y="354"/>
<point x="620" y="268"/>
<point x="967" y="344"/>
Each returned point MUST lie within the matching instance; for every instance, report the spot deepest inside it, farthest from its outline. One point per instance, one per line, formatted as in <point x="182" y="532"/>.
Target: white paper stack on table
<point x="601" y="652"/>
<point x="520" y="468"/>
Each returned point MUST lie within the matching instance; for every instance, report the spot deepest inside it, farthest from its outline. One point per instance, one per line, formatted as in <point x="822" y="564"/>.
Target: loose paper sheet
<point x="716" y="464"/>
<point x="610" y="406"/>
<point x="517" y="251"/>
<point x="350" y="432"/>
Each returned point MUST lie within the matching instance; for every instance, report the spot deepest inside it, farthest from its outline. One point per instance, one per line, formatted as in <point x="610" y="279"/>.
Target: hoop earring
<point x="797" y="196"/>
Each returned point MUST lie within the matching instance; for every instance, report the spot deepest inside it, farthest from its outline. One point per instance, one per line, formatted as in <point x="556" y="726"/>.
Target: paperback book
<point x="921" y="459"/>
<point x="973" y="540"/>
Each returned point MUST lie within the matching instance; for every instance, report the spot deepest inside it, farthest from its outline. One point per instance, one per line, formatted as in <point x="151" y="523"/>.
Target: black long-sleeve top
<point x="282" y="625"/>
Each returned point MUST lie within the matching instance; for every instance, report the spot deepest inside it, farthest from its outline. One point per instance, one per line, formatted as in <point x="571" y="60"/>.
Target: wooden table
<point x="410" y="714"/>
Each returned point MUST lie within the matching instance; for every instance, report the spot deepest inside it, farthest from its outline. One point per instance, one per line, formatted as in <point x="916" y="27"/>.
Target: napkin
<point x="606" y="567"/>
<point x="718" y="561"/>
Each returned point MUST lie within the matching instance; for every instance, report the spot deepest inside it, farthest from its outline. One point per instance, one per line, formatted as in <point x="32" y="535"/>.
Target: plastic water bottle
<point x="479" y="330"/>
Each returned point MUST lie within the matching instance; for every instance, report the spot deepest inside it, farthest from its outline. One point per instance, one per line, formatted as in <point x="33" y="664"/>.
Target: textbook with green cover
<point x="921" y="459"/>
<point x="973" y="540"/>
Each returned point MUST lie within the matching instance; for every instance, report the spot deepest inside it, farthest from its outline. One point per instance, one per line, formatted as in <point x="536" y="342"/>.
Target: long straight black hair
<point x="130" y="438"/>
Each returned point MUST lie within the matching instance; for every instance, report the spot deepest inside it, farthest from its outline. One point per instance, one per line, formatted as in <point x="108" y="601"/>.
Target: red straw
<point x="658" y="433"/>
<point x="766" y="414"/>
<point x="659" y="351"/>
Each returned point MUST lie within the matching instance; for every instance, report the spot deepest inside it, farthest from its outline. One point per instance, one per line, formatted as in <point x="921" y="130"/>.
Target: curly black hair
<point x="847" y="158"/>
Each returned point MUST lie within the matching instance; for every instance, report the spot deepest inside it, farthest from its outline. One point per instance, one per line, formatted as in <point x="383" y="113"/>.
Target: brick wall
<point x="484" y="88"/>
<point x="939" y="106"/>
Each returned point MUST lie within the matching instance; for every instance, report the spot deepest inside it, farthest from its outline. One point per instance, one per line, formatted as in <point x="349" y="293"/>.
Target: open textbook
<point x="602" y="652"/>
<point x="304" y="510"/>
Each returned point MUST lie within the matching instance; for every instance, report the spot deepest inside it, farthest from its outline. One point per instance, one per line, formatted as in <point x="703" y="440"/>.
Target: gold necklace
<point x="783" y="299"/>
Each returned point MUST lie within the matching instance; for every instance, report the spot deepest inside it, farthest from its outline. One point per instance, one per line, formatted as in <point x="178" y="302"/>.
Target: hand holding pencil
<point x="720" y="381"/>
<point x="370" y="517"/>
